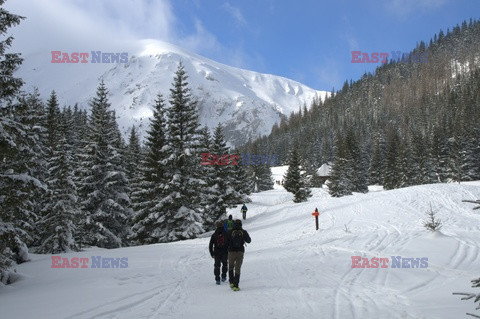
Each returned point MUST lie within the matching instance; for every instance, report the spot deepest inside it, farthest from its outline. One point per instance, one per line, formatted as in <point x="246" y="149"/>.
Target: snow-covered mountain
<point x="246" y="103"/>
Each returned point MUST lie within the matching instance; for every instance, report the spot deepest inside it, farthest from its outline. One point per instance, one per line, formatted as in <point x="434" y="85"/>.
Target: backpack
<point x="228" y="225"/>
<point x="220" y="241"/>
<point x="237" y="238"/>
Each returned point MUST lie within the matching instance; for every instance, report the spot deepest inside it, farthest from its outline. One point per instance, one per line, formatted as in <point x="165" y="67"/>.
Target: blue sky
<point x="306" y="40"/>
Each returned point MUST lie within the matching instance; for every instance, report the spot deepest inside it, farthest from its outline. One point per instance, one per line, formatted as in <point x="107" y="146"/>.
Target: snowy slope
<point x="246" y="103"/>
<point x="289" y="271"/>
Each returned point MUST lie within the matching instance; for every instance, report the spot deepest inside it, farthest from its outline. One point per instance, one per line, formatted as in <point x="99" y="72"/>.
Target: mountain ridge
<point x="247" y="103"/>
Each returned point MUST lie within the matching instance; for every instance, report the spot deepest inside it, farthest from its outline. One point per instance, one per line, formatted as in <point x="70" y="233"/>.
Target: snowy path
<point x="289" y="271"/>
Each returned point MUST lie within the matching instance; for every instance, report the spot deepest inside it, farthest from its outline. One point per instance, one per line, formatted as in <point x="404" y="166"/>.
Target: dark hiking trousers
<point x="235" y="260"/>
<point x="220" y="259"/>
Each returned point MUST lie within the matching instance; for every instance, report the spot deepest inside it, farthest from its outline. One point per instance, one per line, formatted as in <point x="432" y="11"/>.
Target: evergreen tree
<point x="16" y="183"/>
<point x="133" y="155"/>
<point x="61" y="211"/>
<point x="340" y="183"/>
<point x="392" y="174"/>
<point x="242" y="182"/>
<point x="295" y="180"/>
<point x="357" y="161"/>
<point x="260" y="172"/>
<point x="106" y="206"/>
<point x="210" y="192"/>
<point x="376" y="161"/>
<point x="183" y="218"/>
<point x="262" y="177"/>
<point x="150" y="217"/>
<point x="53" y="123"/>
<point x="9" y="84"/>
<point x="30" y="112"/>
<point x="223" y="177"/>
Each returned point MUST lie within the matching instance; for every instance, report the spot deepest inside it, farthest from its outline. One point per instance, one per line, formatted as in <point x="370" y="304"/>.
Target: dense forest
<point x="409" y="123"/>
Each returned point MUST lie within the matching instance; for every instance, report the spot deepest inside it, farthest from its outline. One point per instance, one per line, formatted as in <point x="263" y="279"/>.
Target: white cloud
<point x="201" y="41"/>
<point x="86" y="25"/>
<point x="236" y="13"/>
<point x="112" y="25"/>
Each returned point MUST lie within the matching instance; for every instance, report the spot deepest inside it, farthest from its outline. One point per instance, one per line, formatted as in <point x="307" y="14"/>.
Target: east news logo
<point x="96" y="262"/>
<point x="397" y="262"/>
<point x="82" y="57"/>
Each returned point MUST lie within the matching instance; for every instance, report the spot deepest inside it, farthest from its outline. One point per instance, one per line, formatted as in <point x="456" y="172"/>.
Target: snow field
<point x="289" y="271"/>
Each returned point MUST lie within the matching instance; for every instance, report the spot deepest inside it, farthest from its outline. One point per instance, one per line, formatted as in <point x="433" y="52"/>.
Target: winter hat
<point x="219" y="224"/>
<point x="238" y="222"/>
<point x="230" y="217"/>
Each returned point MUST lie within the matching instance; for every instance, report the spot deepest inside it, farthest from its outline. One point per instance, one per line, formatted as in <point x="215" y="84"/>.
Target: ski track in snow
<point x="289" y="271"/>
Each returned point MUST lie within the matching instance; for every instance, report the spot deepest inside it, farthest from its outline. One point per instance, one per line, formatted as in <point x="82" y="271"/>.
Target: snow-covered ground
<point x="290" y="270"/>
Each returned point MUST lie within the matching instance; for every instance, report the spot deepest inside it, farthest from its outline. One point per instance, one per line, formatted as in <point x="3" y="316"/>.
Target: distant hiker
<point x="244" y="211"/>
<point x="219" y="251"/>
<point x="236" y="241"/>
<point x="228" y="225"/>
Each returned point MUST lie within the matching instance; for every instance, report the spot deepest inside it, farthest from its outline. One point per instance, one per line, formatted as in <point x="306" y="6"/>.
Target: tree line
<point x="406" y="124"/>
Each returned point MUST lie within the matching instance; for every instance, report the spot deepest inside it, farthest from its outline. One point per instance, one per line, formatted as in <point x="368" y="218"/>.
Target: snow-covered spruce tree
<point x="242" y="182"/>
<point x="183" y="218"/>
<point x="133" y="153"/>
<point x="295" y="180"/>
<point x="210" y="193"/>
<point x="391" y="170"/>
<point x="52" y="123"/>
<point x="134" y="159"/>
<point x="149" y="223"/>
<point x="358" y="163"/>
<point x="404" y="165"/>
<point x="376" y="160"/>
<point x="420" y="160"/>
<point x="262" y="177"/>
<point x="79" y="131"/>
<point x="259" y="171"/>
<point x="228" y="196"/>
<point x="432" y="223"/>
<point x="118" y="179"/>
<point x="66" y="122"/>
<point x="51" y="139"/>
<point x="30" y="112"/>
<point x="440" y="153"/>
<point x="350" y="168"/>
<point x="16" y="142"/>
<point x="340" y="183"/>
<point x="61" y="212"/>
<point x="105" y="207"/>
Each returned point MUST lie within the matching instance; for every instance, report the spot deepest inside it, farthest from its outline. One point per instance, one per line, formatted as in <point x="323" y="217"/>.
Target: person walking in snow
<point x="218" y="248"/>
<point x="236" y="249"/>
<point x="228" y="225"/>
<point x="244" y="211"/>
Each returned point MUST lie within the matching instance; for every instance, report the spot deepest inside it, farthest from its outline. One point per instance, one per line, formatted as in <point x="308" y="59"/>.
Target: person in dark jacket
<point x="218" y="248"/>
<point x="236" y="249"/>
<point x="244" y="211"/>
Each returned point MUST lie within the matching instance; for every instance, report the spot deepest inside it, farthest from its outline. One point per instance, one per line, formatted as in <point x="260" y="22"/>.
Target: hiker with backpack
<point x="228" y="225"/>
<point x="236" y="241"/>
<point x="218" y="248"/>
<point x="244" y="211"/>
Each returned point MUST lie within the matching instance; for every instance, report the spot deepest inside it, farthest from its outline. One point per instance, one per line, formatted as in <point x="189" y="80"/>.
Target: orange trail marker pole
<point x="316" y="213"/>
